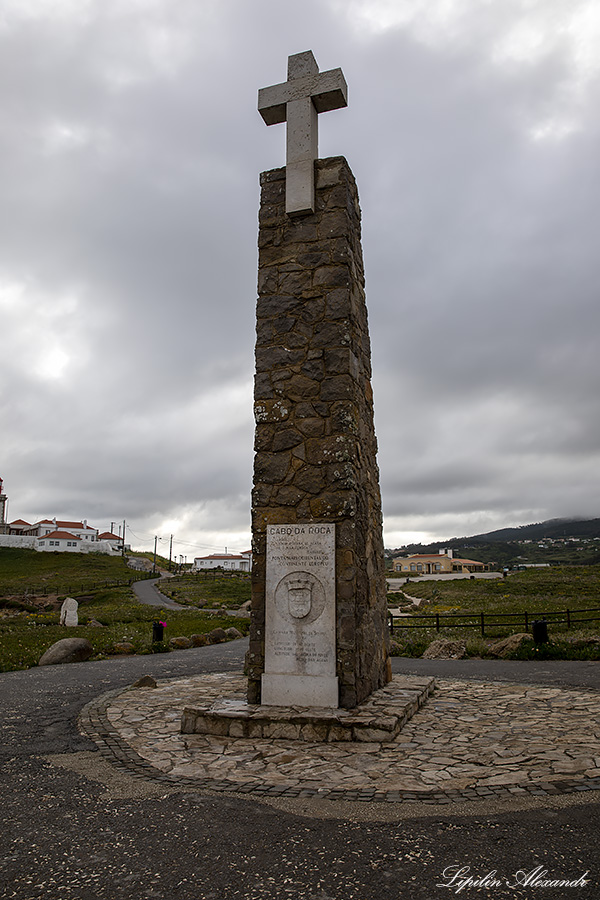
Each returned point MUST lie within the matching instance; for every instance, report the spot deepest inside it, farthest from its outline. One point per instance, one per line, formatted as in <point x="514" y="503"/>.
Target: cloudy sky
<point x="130" y="150"/>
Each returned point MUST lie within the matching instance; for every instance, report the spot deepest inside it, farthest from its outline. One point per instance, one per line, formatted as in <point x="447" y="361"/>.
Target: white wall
<point x="17" y="540"/>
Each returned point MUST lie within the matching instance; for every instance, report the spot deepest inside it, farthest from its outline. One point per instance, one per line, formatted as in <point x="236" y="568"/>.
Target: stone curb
<point x="93" y="722"/>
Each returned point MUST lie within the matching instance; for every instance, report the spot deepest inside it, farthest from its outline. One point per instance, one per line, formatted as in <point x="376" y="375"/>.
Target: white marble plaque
<point x="300" y="622"/>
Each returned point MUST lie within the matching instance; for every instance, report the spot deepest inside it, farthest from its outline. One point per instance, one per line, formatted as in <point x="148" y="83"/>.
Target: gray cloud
<point x="131" y="147"/>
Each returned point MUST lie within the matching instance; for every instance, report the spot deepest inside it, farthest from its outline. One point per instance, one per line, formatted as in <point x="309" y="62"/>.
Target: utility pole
<point x="154" y="563"/>
<point x="123" y="548"/>
<point x="170" y="551"/>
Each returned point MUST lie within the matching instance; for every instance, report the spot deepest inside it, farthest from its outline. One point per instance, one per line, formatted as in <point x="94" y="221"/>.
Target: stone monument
<point x="319" y="614"/>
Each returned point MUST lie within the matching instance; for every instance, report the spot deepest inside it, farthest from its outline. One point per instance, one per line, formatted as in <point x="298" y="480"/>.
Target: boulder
<point x="180" y="643"/>
<point x="510" y="644"/>
<point x="233" y="633"/>
<point x="199" y="640"/>
<point x="145" y="681"/>
<point x="68" y="650"/>
<point x="445" y="649"/>
<point x="94" y="623"/>
<point x="123" y="647"/>
<point x="217" y="636"/>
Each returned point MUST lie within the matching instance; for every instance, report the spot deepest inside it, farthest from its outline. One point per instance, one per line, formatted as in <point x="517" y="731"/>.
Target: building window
<point x="413" y="567"/>
<point x="42" y="543"/>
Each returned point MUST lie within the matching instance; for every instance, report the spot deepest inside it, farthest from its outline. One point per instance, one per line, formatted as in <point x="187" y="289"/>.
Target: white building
<point x="114" y="540"/>
<point x="59" y="541"/>
<point x="60" y="535"/>
<point x="241" y="562"/>
<point x="80" y="529"/>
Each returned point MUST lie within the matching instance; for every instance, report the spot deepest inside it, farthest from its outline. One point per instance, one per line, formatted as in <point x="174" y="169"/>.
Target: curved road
<point x="147" y="592"/>
<point x="74" y="828"/>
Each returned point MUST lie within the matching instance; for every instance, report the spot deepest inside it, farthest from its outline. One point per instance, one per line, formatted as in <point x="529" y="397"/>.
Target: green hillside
<point x="27" y="572"/>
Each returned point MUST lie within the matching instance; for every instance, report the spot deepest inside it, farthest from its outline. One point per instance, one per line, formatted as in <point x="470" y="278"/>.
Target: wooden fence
<point x="570" y="617"/>
<point x="81" y="588"/>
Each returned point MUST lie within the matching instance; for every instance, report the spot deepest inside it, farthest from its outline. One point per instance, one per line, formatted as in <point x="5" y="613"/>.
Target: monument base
<point x="379" y="718"/>
<point x="300" y="690"/>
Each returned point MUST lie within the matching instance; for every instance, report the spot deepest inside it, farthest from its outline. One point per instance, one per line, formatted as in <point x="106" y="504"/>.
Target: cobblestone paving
<point x="471" y="740"/>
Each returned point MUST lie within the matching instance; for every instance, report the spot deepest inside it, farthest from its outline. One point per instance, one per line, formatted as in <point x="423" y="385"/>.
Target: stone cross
<point x="298" y="101"/>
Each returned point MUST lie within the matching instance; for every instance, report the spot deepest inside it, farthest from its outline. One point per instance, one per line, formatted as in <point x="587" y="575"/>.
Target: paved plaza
<point x="470" y="740"/>
<point x="92" y="819"/>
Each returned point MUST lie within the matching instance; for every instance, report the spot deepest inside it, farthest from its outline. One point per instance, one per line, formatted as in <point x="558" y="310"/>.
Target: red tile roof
<point x="220" y="556"/>
<point x="63" y="523"/>
<point x="61" y="534"/>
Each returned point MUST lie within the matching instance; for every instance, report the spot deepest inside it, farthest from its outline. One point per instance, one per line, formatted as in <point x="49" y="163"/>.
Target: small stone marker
<point x="298" y="101"/>
<point x="68" y="613"/>
<point x="300" y="616"/>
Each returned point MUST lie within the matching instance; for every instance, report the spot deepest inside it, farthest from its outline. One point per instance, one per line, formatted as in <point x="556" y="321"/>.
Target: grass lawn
<point x="208" y="589"/>
<point x="535" y="591"/>
<point x="29" y="572"/>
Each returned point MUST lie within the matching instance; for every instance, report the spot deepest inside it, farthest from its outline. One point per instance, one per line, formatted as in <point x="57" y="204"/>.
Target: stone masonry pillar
<point x="315" y="441"/>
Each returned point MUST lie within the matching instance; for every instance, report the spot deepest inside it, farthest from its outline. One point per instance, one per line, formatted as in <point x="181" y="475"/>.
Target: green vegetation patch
<point x="211" y="590"/>
<point x="29" y="572"/>
<point x="549" y="591"/>
<point x="24" y="637"/>
<point x="534" y="590"/>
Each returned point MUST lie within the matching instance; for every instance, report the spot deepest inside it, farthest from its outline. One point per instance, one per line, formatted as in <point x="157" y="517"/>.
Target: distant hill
<point x="505" y="546"/>
<point x="553" y="528"/>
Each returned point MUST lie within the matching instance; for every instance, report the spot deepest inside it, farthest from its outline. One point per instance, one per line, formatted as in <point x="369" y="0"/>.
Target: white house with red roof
<point x="60" y="535"/>
<point x="55" y="534"/>
<point x="240" y="562"/>
<point x="439" y="563"/>
<point x="60" y="541"/>
<point x="115" y="540"/>
<point x="80" y="529"/>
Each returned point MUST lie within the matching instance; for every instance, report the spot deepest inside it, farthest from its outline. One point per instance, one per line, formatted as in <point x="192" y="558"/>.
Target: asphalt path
<point x="147" y="592"/>
<point x="72" y="826"/>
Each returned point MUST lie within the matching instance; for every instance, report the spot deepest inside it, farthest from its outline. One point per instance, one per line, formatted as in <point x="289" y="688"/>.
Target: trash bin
<point x="539" y="629"/>
<point x="157" y="631"/>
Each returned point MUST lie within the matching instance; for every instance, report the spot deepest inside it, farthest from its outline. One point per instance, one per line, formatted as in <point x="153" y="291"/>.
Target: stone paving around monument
<point x="471" y="740"/>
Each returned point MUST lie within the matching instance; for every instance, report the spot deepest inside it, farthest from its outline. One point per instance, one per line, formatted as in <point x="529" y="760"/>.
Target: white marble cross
<point x="298" y="101"/>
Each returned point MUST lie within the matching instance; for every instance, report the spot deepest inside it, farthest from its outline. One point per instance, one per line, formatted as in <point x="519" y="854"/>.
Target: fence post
<point x="568" y="619"/>
<point x="437" y="621"/>
<point x="482" y="625"/>
<point x="526" y="621"/>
